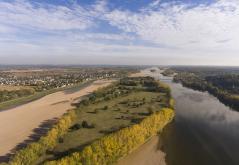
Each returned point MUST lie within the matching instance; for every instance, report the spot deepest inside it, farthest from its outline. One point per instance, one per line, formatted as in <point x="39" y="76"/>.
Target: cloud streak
<point x="44" y="16"/>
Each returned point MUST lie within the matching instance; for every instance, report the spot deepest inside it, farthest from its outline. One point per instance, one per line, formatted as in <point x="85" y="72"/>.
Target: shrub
<point x="150" y="110"/>
<point x="75" y="126"/>
<point x="171" y="103"/>
<point x="61" y="140"/>
<point x="96" y="111"/>
<point x="105" y="107"/>
<point x="85" y="124"/>
<point x="85" y="102"/>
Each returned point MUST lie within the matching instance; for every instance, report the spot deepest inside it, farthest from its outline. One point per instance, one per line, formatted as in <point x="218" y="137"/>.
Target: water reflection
<point x="205" y="131"/>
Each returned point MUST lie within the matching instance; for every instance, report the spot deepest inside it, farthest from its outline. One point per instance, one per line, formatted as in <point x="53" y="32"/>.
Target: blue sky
<point x="159" y="32"/>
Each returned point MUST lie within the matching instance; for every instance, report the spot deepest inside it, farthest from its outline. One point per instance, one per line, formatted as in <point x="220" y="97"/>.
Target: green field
<point x="107" y="111"/>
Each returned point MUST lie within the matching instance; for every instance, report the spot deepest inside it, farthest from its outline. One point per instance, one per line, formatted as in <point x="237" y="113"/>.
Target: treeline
<point x="124" y="87"/>
<point x="229" y="82"/>
<point x="6" y="95"/>
<point x="168" y="72"/>
<point x="139" y="81"/>
<point x="109" y="149"/>
<point x="195" y="82"/>
<point x="34" y="150"/>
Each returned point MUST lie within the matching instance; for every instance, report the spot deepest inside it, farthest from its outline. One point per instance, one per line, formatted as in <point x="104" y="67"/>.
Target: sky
<point x="122" y="32"/>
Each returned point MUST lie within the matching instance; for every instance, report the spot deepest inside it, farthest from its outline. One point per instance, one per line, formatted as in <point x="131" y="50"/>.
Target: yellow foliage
<point x="171" y="103"/>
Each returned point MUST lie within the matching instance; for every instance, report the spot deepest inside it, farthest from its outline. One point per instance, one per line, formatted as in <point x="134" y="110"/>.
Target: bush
<point x="171" y="103"/>
<point x="105" y="107"/>
<point x="85" y="102"/>
<point x="150" y="110"/>
<point x="61" y="140"/>
<point x="85" y="124"/>
<point x="76" y="127"/>
<point x="96" y="111"/>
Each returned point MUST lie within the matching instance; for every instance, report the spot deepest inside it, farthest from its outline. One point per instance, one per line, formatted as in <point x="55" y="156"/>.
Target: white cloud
<point x="42" y="16"/>
<point x="6" y="29"/>
<point x="103" y="36"/>
<point x="183" y="26"/>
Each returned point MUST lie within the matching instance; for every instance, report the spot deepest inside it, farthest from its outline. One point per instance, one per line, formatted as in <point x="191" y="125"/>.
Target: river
<point x="204" y="132"/>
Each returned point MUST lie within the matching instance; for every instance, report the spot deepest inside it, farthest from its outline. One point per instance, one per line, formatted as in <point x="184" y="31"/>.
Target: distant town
<point x="44" y="79"/>
<point x="19" y="81"/>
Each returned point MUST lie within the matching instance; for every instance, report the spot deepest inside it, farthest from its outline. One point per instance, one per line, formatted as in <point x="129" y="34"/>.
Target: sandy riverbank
<point x="17" y="124"/>
<point x="147" y="154"/>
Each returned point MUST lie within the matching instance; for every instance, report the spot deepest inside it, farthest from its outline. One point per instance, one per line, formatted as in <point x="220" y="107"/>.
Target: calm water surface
<point x="205" y="131"/>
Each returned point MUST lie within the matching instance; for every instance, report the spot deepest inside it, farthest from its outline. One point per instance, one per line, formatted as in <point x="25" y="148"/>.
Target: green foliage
<point x="85" y="124"/>
<point x="110" y="148"/>
<point x="76" y="126"/>
<point x="168" y="72"/>
<point x="171" y="103"/>
<point x="105" y="107"/>
<point x="150" y="110"/>
<point x="6" y="95"/>
<point x="219" y="90"/>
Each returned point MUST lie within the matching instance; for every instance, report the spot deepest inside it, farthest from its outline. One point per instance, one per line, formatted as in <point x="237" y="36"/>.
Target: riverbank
<point x="17" y="124"/>
<point x="196" y="82"/>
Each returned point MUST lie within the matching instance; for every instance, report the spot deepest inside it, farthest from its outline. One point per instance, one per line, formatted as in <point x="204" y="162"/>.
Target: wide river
<point x="205" y="131"/>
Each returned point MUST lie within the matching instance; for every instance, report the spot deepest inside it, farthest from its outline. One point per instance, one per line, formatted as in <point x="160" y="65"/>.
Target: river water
<point x="204" y="132"/>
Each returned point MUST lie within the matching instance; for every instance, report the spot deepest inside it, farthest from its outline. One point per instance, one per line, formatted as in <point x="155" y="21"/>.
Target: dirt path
<point x="18" y="123"/>
<point x="147" y="154"/>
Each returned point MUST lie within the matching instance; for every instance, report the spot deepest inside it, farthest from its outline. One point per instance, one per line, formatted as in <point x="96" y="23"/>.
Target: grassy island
<point x="105" y="126"/>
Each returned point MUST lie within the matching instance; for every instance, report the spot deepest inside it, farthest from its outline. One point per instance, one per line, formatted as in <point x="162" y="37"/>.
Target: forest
<point x="222" y="83"/>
